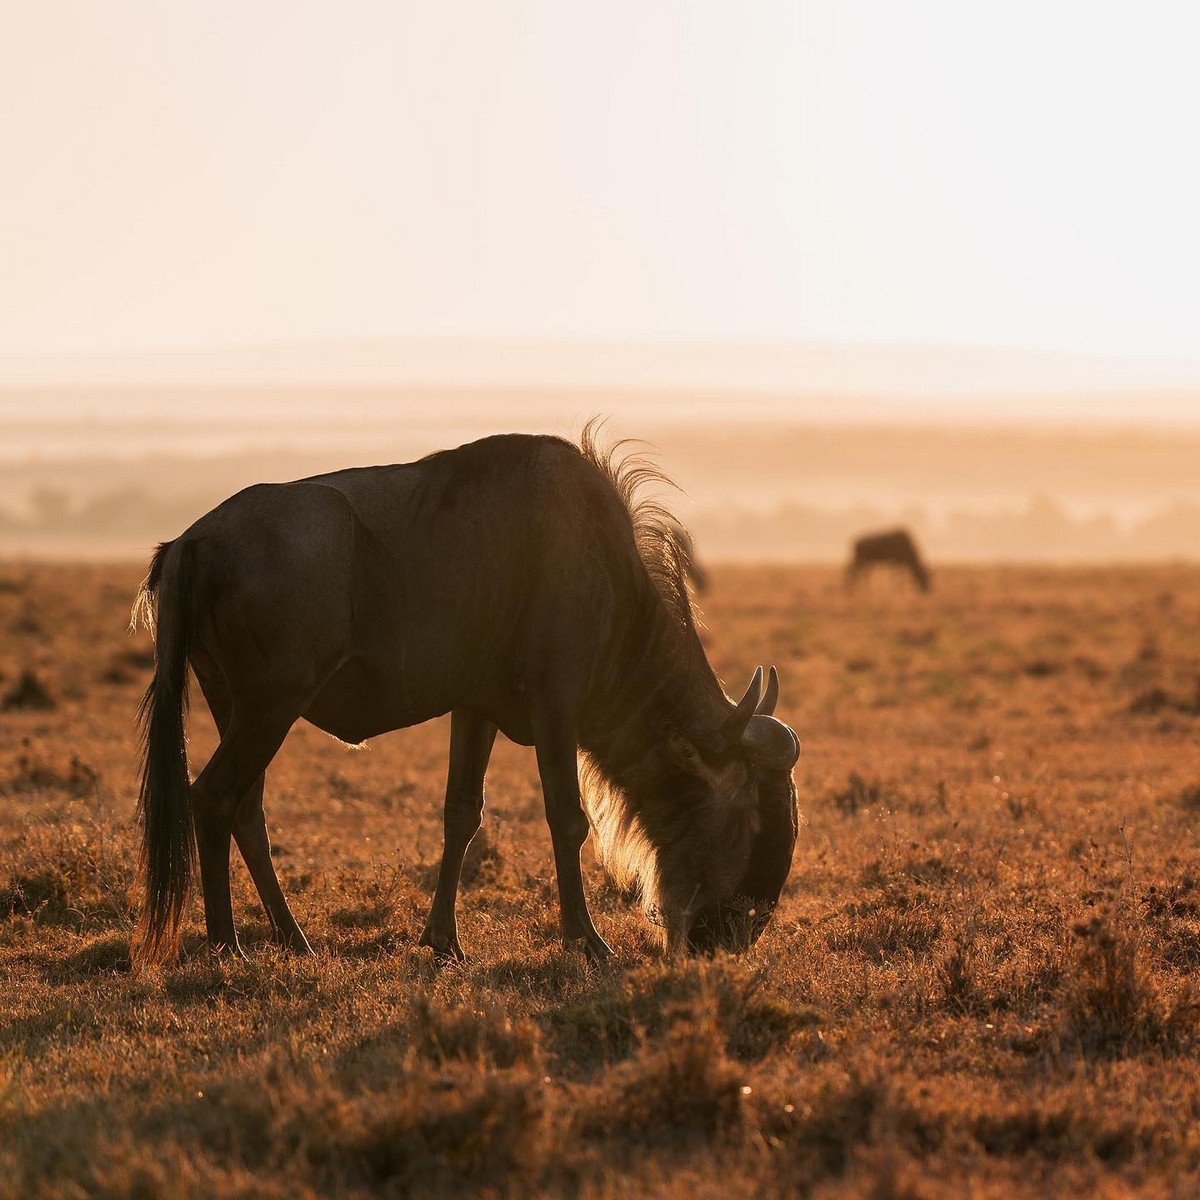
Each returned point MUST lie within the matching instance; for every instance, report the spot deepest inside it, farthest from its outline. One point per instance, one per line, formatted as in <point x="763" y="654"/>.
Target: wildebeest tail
<point x="165" y="868"/>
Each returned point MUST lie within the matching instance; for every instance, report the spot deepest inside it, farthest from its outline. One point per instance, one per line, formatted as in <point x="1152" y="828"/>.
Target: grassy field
<point x="978" y="982"/>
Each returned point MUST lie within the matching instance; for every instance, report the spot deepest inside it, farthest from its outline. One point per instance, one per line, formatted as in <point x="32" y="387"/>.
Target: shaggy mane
<point x="624" y="847"/>
<point x="662" y="543"/>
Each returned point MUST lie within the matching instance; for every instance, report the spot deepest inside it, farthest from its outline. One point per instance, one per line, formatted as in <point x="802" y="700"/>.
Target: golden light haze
<point x="781" y="239"/>
<point x="224" y="175"/>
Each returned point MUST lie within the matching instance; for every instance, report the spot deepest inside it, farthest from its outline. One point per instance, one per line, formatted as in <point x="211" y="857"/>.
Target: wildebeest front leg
<point x="559" y="770"/>
<point x="471" y="739"/>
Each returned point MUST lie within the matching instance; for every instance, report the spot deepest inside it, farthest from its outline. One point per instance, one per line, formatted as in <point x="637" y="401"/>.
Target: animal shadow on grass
<point x="107" y="954"/>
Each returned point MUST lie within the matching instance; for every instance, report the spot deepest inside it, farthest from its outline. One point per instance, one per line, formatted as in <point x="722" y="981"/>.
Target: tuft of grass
<point x="1042" y="668"/>
<point x="956" y="973"/>
<point x="489" y="1130"/>
<point x="67" y="874"/>
<point x="883" y="933"/>
<point x="1157" y="699"/>
<point x="857" y="793"/>
<point x="28" y="694"/>
<point x="479" y="1033"/>
<point x="1111" y="1002"/>
<point x="680" y="1088"/>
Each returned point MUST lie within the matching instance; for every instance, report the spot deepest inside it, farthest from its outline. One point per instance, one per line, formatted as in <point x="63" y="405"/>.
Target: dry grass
<point x="978" y="982"/>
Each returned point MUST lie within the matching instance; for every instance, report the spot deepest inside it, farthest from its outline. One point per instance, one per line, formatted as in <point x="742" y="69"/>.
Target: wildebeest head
<point x="719" y="881"/>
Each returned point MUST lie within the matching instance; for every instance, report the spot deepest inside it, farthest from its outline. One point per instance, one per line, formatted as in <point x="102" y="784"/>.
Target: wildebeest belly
<point x="357" y="703"/>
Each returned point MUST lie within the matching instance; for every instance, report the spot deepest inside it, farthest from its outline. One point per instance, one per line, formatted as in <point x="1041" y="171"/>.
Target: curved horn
<point x="736" y="722"/>
<point x="770" y="697"/>
<point x="770" y="743"/>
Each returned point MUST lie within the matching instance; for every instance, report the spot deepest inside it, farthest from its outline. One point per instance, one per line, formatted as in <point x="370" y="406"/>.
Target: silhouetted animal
<point x="515" y="582"/>
<point x="695" y="574"/>
<point x="894" y="546"/>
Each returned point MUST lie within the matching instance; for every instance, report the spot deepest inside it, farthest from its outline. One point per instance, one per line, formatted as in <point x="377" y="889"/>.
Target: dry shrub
<point x="898" y="919"/>
<point x="125" y="1170"/>
<point x="1173" y="914"/>
<point x="1042" y="668"/>
<point x="843" y="1119"/>
<point x="858" y="793"/>
<point x="1151" y="701"/>
<point x="681" y="1088"/>
<point x="836" y="1122"/>
<point x="481" y="1033"/>
<point x="1111" y="1001"/>
<point x="1157" y="699"/>
<point x="452" y="1133"/>
<point x="882" y="934"/>
<point x="956" y="973"/>
<point x="649" y="1001"/>
<point x="1189" y="798"/>
<point x="29" y="694"/>
<point x="422" y="1134"/>
<point x="1058" y="1133"/>
<point x="128" y="666"/>
<point x="66" y="874"/>
<point x="33" y="775"/>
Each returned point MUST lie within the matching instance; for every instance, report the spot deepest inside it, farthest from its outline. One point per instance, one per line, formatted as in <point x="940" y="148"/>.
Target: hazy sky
<point x="188" y="174"/>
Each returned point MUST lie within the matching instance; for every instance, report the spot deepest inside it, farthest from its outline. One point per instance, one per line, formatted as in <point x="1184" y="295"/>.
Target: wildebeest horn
<point x="766" y="706"/>
<point x="770" y="743"/>
<point x="735" y="724"/>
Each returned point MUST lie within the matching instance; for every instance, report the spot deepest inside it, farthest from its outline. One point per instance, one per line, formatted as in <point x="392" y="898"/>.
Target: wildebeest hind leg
<point x="250" y="833"/>
<point x="249" y="743"/>
<point x="250" y="824"/>
<point x="471" y="739"/>
<point x="558" y="766"/>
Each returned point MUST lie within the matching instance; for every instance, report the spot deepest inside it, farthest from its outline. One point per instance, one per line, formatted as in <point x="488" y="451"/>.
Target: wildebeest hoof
<point x="595" y="948"/>
<point x="445" y="949"/>
<point x="297" y="944"/>
<point x="227" y="950"/>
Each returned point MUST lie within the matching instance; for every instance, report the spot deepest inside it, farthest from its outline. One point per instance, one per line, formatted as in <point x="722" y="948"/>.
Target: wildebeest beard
<point x="707" y="867"/>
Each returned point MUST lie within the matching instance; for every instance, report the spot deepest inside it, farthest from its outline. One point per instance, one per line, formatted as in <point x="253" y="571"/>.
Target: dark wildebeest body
<point x="514" y="583"/>
<point x="894" y="547"/>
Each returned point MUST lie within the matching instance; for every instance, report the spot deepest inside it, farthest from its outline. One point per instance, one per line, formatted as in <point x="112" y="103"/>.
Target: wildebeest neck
<point x="658" y="680"/>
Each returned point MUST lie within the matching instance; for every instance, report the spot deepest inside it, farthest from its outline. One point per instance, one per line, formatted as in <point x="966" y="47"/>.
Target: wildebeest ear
<point x="771" y="743"/>
<point x="686" y="754"/>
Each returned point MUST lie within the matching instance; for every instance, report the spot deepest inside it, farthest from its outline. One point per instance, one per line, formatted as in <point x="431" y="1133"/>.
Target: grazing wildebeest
<point x="693" y="571"/>
<point x="517" y="583"/>
<point x="894" y="546"/>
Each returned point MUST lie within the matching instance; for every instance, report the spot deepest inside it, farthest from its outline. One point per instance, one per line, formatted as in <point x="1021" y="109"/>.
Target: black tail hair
<point x="168" y="853"/>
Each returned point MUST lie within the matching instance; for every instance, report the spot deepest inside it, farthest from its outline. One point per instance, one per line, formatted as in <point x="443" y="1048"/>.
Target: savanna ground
<point x="978" y="981"/>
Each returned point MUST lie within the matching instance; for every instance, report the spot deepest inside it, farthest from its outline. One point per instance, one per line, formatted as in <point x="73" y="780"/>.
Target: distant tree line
<point x="129" y="519"/>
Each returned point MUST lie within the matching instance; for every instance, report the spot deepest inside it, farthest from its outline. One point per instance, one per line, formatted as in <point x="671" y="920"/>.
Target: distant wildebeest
<point x="516" y="583"/>
<point x="693" y="571"/>
<point x="893" y="546"/>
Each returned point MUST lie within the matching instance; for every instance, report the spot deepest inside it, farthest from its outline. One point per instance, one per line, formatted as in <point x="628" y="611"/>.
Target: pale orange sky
<point x="943" y="174"/>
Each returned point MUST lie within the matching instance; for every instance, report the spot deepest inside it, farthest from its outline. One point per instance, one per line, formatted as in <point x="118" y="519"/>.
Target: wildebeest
<point x="518" y="583"/>
<point x="693" y="570"/>
<point x="894" y="546"/>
